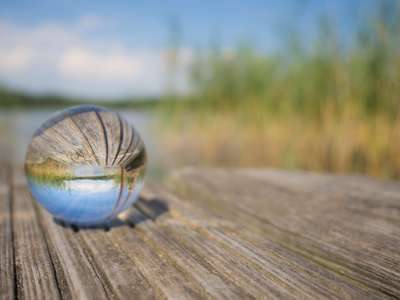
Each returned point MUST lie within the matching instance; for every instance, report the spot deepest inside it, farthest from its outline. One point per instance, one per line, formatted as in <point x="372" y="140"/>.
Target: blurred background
<point x="311" y="85"/>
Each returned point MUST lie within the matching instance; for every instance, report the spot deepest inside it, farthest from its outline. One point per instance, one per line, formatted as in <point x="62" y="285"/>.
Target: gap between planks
<point x="350" y="227"/>
<point x="175" y="250"/>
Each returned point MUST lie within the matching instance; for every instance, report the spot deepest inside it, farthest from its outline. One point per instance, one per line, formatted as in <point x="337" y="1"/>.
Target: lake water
<point x="17" y="126"/>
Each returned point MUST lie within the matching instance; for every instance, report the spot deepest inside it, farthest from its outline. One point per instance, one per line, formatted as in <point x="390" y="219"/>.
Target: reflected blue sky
<point x="82" y="201"/>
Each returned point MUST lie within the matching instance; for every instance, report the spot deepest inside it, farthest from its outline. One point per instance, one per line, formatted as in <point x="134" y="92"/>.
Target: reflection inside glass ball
<point x="86" y="164"/>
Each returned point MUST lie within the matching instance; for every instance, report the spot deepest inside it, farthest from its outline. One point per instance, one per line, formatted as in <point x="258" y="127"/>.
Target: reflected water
<point x="17" y="127"/>
<point x="86" y="164"/>
<point x="84" y="194"/>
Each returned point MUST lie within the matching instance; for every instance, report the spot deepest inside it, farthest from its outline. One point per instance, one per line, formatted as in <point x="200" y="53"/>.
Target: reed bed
<point x="332" y="106"/>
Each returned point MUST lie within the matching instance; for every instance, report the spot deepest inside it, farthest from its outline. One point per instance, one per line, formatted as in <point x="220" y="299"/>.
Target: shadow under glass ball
<point x="86" y="165"/>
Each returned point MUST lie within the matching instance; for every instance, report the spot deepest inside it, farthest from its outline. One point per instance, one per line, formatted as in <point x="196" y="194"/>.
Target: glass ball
<point x="86" y="165"/>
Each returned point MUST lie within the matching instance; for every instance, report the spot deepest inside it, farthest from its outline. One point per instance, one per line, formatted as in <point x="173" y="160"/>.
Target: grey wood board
<point x="58" y="143"/>
<point x="93" y="137"/>
<point x="165" y="281"/>
<point x="191" y="226"/>
<point x="7" y="277"/>
<point x="75" y="274"/>
<point x="324" y="218"/>
<point x="191" y="267"/>
<point x="33" y="265"/>
<point x="120" y="278"/>
<point x="113" y="129"/>
<point x="163" y="247"/>
<point x="90" y="124"/>
<point x="127" y="135"/>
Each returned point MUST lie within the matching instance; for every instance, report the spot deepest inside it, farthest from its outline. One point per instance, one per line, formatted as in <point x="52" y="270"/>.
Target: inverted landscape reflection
<point x="84" y="194"/>
<point x="86" y="165"/>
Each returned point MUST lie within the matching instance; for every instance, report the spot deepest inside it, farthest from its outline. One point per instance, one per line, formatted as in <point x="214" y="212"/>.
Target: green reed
<point x="51" y="173"/>
<point x="328" y="106"/>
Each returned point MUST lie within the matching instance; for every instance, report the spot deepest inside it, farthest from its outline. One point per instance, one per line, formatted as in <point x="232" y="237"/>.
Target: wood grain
<point x="164" y="247"/>
<point x="348" y="230"/>
<point x="75" y="274"/>
<point x="162" y="277"/>
<point x="120" y="278"/>
<point x="33" y="265"/>
<point x="237" y="255"/>
<point x="58" y="144"/>
<point x="90" y="125"/>
<point x="127" y="136"/>
<point x="112" y="125"/>
<point x="7" y="278"/>
<point x="86" y="135"/>
<point x="205" y="280"/>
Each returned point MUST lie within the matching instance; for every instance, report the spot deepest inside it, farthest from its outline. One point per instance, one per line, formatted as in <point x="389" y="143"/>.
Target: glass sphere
<point x="86" y="164"/>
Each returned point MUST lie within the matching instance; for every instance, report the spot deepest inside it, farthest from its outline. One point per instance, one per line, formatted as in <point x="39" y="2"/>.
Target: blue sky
<point x="113" y="49"/>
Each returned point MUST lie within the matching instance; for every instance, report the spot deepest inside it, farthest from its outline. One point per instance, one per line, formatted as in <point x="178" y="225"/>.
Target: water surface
<point x="17" y="127"/>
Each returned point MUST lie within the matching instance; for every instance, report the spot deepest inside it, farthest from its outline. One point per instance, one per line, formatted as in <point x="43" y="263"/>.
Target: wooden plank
<point x="90" y="124"/>
<point x="385" y="188"/>
<point x="239" y="255"/>
<point x="164" y="280"/>
<point x="86" y="262"/>
<point x="120" y="278"/>
<point x="87" y="136"/>
<point x="353" y="235"/>
<point x="191" y="267"/>
<point x="58" y="143"/>
<point x="7" y="279"/>
<point x="364" y="196"/>
<point x="164" y="247"/>
<point x="75" y="275"/>
<point x="113" y="127"/>
<point x="34" y="268"/>
<point x="133" y="150"/>
<point x="248" y="279"/>
<point x="127" y="136"/>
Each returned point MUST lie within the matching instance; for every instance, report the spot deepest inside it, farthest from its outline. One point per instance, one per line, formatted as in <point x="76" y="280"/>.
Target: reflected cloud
<point x="90" y="186"/>
<point x="87" y="199"/>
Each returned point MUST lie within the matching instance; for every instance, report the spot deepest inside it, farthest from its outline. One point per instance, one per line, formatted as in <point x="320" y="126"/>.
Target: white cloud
<point x="93" y="186"/>
<point x="15" y="59"/>
<point x="67" y="58"/>
<point x="86" y="64"/>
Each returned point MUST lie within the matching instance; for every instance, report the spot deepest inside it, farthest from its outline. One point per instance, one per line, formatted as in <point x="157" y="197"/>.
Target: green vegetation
<point x="328" y="106"/>
<point x="49" y="173"/>
<point x="331" y="105"/>
<point x="54" y="174"/>
<point x="14" y="99"/>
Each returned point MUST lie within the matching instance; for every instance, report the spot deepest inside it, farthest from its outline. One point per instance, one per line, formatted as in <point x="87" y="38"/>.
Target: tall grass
<point x="328" y="106"/>
<point x="54" y="174"/>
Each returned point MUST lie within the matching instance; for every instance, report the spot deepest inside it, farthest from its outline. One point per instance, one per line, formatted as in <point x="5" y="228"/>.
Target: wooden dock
<point x="212" y="234"/>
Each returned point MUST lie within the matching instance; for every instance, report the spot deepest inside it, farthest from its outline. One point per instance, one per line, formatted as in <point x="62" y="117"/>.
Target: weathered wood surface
<point x="7" y="260"/>
<point x="349" y="225"/>
<point x="87" y="135"/>
<point x="165" y="246"/>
